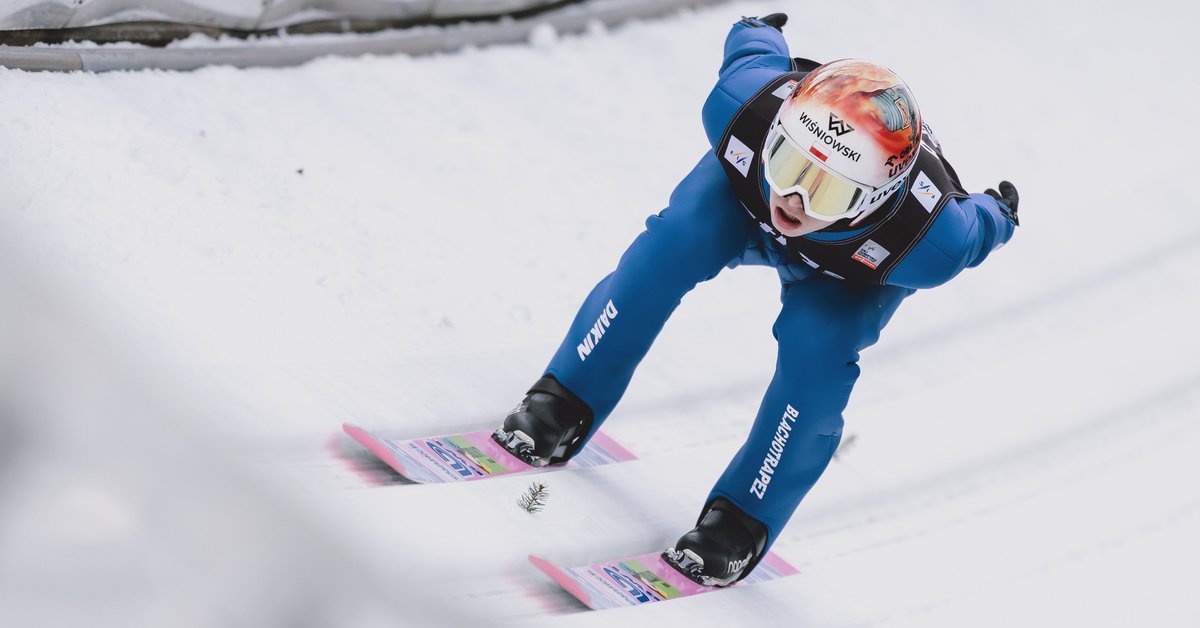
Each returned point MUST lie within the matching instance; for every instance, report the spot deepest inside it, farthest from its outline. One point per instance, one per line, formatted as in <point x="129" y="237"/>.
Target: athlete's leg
<point x="702" y="230"/>
<point x="821" y="329"/>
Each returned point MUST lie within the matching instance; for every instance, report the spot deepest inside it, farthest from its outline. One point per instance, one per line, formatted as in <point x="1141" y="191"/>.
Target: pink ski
<point x="643" y="579"/>
<point x="472" y="455"/>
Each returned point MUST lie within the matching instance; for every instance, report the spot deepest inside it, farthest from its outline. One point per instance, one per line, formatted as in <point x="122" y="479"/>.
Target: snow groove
<point x="1149" y="421"/>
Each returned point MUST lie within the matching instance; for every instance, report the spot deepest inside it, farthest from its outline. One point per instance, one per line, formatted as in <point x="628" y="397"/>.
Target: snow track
<point x="1050" y="508"/>
<point x="278" y="251"/>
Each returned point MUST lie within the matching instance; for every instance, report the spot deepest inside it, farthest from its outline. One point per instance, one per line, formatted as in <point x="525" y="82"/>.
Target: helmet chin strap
<point x="864" y="215"/>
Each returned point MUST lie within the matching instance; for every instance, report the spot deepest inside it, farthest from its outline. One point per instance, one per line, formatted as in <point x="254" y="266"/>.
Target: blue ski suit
<point x="823" y="325"/>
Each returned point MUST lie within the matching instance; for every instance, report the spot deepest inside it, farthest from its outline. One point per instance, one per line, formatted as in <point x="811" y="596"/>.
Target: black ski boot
<point x="723" y="548"/>
<point x="548" y="426"/>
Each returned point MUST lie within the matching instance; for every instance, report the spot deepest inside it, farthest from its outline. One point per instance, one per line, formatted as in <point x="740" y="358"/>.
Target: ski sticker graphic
<point x="472" y="455"/>
<point x="482" y="460"/>
<point x="643" y="579"/>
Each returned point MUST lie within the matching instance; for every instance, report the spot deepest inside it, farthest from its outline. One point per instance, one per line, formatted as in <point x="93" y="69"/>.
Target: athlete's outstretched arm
<point x="755" y="53"/>
<point x="965" y="233"/>
<point x="750" y="39"/>
<point x="996" y="226"/>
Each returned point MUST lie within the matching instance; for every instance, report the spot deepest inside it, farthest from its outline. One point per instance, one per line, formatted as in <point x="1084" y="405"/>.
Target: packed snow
<point x="204" y="274"/>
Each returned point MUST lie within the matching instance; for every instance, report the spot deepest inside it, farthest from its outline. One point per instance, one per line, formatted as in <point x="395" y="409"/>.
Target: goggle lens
<point x="789" y="168"/>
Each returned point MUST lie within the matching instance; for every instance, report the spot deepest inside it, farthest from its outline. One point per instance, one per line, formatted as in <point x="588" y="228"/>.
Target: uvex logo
<point x="838" y="125"/>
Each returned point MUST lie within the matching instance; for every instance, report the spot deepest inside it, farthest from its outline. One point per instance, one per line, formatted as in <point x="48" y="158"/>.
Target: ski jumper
<point x="832" y="308"/>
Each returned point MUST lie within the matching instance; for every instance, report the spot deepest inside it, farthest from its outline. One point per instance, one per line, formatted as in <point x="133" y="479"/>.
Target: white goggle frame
<point x="824" y="202"/>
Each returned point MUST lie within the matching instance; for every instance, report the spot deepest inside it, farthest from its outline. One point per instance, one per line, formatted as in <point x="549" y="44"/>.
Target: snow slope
<point x="205" y="273"/>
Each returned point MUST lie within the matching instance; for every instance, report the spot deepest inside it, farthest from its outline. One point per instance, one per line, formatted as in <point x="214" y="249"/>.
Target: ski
<point x="643" y="579"/>
<point x="471" y="456"/>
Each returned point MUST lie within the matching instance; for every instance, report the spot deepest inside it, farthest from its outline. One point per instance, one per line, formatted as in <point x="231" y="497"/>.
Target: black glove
<point x="774" y="20"/>
<point x="1009" y="199"/>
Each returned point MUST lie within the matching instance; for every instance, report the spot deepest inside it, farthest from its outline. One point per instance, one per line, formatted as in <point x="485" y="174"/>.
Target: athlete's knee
<point x="817" y="370"/>
<point x="826" y="432"/>
<point x="813" y="337"/>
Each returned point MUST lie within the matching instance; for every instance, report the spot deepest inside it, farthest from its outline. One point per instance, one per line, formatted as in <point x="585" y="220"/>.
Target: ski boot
<point x="548" y="426"/>
<point x="723" y="548"/>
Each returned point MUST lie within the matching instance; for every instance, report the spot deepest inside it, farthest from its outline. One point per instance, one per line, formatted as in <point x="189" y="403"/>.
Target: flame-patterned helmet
<point x="850" y="118"/>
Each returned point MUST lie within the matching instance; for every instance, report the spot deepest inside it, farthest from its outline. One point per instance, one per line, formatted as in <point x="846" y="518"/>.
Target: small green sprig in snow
<point x="534" y="499"/>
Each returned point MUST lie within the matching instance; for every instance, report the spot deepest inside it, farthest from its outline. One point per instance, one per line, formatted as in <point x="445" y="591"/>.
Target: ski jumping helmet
<point x="845" y="140"/>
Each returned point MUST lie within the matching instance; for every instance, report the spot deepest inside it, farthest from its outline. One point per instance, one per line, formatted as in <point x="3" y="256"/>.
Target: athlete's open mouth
<point x="786" y="220"/>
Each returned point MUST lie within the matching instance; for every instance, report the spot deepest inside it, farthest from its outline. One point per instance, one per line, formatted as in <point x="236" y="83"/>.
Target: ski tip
<point x="618" y="450"/>
<point x="373" y="445"/>
<point x="357" y="433"/>
<point x="779" y="564"/>
<point x="561" y="578"/>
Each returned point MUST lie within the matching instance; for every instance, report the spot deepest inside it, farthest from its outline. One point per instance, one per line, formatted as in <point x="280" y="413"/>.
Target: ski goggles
<point x="791" y="170"/>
